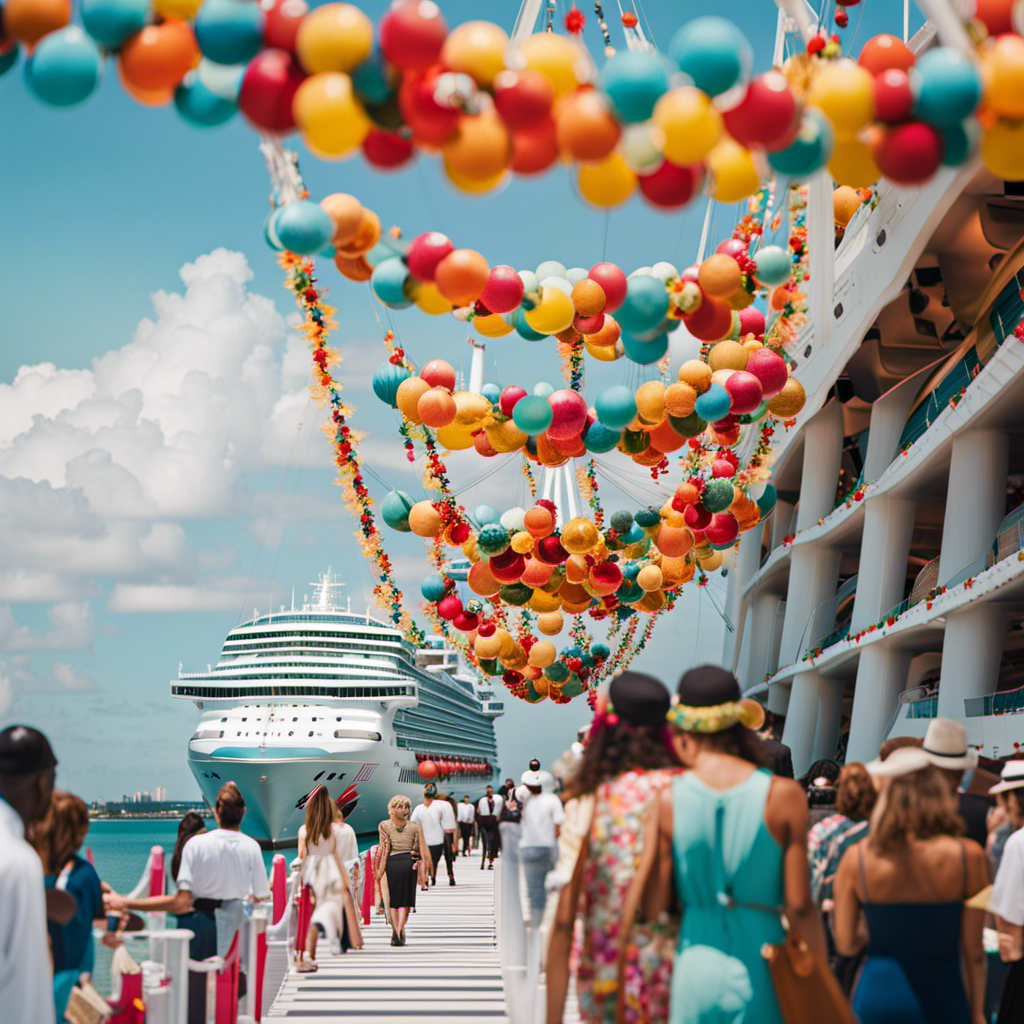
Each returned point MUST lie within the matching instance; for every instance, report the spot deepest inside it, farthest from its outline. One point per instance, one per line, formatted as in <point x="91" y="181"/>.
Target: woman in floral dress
<point x="625" y="764"/>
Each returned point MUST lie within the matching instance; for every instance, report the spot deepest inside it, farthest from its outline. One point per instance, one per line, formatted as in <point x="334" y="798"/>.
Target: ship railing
<point x="920" y="694"/>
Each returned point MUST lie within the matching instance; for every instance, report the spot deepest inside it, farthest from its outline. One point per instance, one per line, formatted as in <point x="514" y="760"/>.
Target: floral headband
<point x="604" y="715"/>
<point x="715" y="717"/>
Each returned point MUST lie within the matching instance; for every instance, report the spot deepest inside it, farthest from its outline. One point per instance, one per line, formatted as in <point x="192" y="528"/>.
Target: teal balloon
<point x="600" y="438"/>
<point x="532" y="414"/>
<point x="645" y="305"/>
<point x="629" y="591"/>
<point x="373" y="80"/>
<point x="433" y="588"/>
<point x="644" y="352"/>
<point x="524" y="329"/>
<point x="386" y="381"/>
<point x="550" y="268"/>
<point x="630" y="571"/>
<point x="493" y="539"/>
<point x="270" y="230"/>
<point x="634" y="81"/>
<point x="111" y="22"/>
<point x="394" y="510"/>
<point x="384" y="250"/>
<point x="809" y="152"/>
<point x="774" y="265"/>
<point x="556" y="672"/>
<point x="229" y="31"/>
<point x="647" y="517"/>
<point x="600" y="651"/>
<point x="304" y="227"/>
<point x="198" y="106"/>
<point x="713" y="52"/>
<point x="767" y="500"/>
<point x="65" y="68"/>
<point x="717" y="495"/>
<point x="388" y="282"/>
<point x="714" y="404"/>
<point x="485" y="515"/>
<point x="688" y="426"/>
<point x="959" y="142"/>
<point x="615" y="406"/>
<point x="542" y="389"/>
<point x="491" y="392"/>
<point x="946" y="85"/>
<point x="573" y="686"/>
<point x="633" y="535"/>
<point x="9" y="58"/>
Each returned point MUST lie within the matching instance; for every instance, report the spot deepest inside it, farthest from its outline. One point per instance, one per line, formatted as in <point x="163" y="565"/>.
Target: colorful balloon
<point x="330" y="116"/>
<point x="229" y="31"/>
<point x="28" y="21"/>
<point x="634" y="81"/>
<point x="269" y="85"/>
<point x="946" y="85"/>
<point x="713" y="52"/>
<point x="65" y="68"/>
<point x="607" y="183"/>
<point x="766" y="114"/>
<point x="201" y="107"/>
<point x="462" y="276"/>
<point x="111" y="22"/>
<point x="477" y="49"/>
<point x="160" y="56"/>
<point x="412" y="34"/>
<point x="554" y="57"/>
<point x="690" y="123"/>
<point x="334" y="37"/>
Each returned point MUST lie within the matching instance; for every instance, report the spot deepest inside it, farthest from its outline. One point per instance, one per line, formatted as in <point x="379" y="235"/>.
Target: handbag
<point x="87" y="1006"/>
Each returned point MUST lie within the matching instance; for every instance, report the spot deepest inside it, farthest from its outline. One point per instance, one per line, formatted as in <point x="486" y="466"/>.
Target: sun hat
<point x="903" y="761"/>
<point x="945" y="743"/>
<point x="708" y="700"/>
<point x="25" y="751"/>
<point x="1011" y="777"/>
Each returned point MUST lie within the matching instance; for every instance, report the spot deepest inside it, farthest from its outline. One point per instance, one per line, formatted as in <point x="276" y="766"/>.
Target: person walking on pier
<point x="488" y="811"/>
<point x="451" y="825"/>
<point x="542" y="816"/>
<point x="431" y="818"/>
<point x="401" y="845"/>
<point x="466" y="815"/>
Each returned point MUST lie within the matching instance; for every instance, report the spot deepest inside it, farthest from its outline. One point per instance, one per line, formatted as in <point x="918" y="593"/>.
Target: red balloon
<point x="508" y="572"/>
<point x="720" y="467"/>
<point x="536" y="150"/>
<point x="710" y="320"/>
<point x="732" y="247"/>
<point x="752" y="321"/>
<point x="268" y="88"/>
<point x="571" y="446"/>
<point x="909" y="153"/>
<point x="427" y="770"/>
<point x="439" y="374"/>
<point x="997" y="15"/>
<point x="412" y="34"/>
<point x="509" y="397"/>
<point x="425" y="252"/>
<point x="696" y="517"/>
<point x="550" y="551"/>
<point x="894" y="98"/>
<point x="569" y="414"/>
<point x="386" y="150"/>
<point x="448" y="607"/>
<point x="770" y="369"/>
<point x="523" y="99"/>
<point x="281" y="26"/>
<point x="486" y="628"/>
<point x="885" y="51"/>
<point x="465" y="621"/>
<point x="744" y="390"/>
<point x="723" y="528"/>
<point x="429" y="120"/>
<point x="671" y="185"/>
<point x="613" y="281"/>
<point x="588" y="324"/>
<point x="503" y="291"/>
<point x="766" y="113"/>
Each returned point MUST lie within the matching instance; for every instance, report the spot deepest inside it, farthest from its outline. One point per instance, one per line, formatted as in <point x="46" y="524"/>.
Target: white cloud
<point x="212" y="595"/>
<point x="17" y="673"/>
<point x="72" y="629"/>
<point x="67" y="677"/>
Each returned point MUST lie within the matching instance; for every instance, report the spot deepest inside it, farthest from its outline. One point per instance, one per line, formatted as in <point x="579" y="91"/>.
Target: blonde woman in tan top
<point x="400" y="849"/>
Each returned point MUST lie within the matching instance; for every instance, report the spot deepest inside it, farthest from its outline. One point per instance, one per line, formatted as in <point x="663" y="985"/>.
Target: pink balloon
<point x="752" y="322"/>
<point x="569" y="414"/>
<point x="613" y="281"/>
<point x="770" y="369"/>
<point x="503" y="291"/>
<point x="509" y="397"/>
<point x="412" y="34"/>
<point x="894" y="98"/>
<point x="439" y="374"/>
<point x="425" y="252"/>
<point x="733" y="247"/>
<point x="744" y="390"/>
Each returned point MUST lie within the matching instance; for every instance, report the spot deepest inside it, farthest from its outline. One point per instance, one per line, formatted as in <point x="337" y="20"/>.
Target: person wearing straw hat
<point x="945" y="743"/>
<point x="911" y="879"/>
<point x="1007" y="899"/>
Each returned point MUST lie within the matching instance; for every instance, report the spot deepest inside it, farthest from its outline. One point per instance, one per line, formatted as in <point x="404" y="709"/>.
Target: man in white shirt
<point x="1007" y="899"/>
<point x="431" y="818"/>
<point x="488" y="811"/>
<point x="27" y="771"/>
<point x="538" y="842"/>
<point x="450" y="827"/>
<point x="219" y="871"/>
<point x="466" y="817"/>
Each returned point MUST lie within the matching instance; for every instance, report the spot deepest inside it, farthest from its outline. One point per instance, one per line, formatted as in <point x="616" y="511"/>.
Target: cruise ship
<point x="888" y="586"/>
<point x="323" y="695"/>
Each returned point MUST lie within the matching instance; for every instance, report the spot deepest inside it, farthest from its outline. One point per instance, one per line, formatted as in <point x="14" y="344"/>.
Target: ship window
<point x="356" y="734"/>
<point x="316" y="778"/>
<point x="329" y="777"/>
<point x="224" y="719"/>
<point x="291" y="734"/>
<point x="310" y="732"/>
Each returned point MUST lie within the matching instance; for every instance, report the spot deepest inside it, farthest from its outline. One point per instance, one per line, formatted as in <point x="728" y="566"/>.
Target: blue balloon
<point x="199" y="106"/>
<point x="644" y="352"/>
<point x="550" y="268"/>
<point x="645" y="305"/>
<point x="433" y="588"/>
<point x="394" y="510"/>
<point x="373" y="79"/>
<point x="542" y="389"/>
<point x="810" y="150"/>
<point x="714" y="404"/>
<point x="386" y="381"/>
<point x="9" y="58"/>
<point x="532" y="414"/>
<point x="524" y="329"/>
<point x="713" y="52"/>
<point x="600" y="438"/>
<point x="557" y="671"/>
<point x="270" y="230"/>
<point x="600" y="650"/>
<point x="634" y="534"/>
<point x="229" y="31"/>
<point x="383" y="250"/>
<point x="615" y="406"/>
<point x="486" y="515"/>
<point x="491" y="392"/>
<point x="65" y="68"/>
<point x="767" y="500"/>
<point x="304" y="227"/>
<point x="388" y="282"/>
<point x="947" y="87"/>
<point x="959" y="142"/>
<point x="111" y="22"/>
<point x="774" y="265"/>
<point x="634" y="81"/>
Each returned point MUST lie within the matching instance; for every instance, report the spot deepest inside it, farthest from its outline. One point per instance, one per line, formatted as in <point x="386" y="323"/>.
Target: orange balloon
<point x="461" y="276"/>
<point x="366" y="237"/>
<point x="347" y="213"/>
<point x="546" y="454"/>
<point x="147" y="97"/>
<point x="436" y="408"/>
<point x="408" y="396"/>
<point x="882" y="52"/>
<point x="29" y="20"/>
<point x="539" y="521"/>
<point x="674" y="541"/>
<point x="481" y="149"/>
<point x="536" y="151"/>
<point x="159" y="56"/>
<point x="719" y="275"/>
<point x="664" y="438"/>
<point x="355" y="268"/>
<point x="586" y="128"/>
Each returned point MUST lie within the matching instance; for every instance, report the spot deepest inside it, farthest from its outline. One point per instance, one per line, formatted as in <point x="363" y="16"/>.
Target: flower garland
<point x="793" y="314"/>
<point x="571" y="355"/>
<point x="326" y="390"/>
<point x="586" y="479"/>
<point x="531" y="483"/>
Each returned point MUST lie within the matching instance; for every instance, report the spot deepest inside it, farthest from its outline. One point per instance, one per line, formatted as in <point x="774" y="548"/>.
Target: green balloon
<point x="394" y="509"/>
<point x="717" y="495"/>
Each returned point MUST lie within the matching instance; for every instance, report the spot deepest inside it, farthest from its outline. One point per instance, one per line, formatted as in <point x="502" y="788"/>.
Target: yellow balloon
<point x="430" y="300"/>
<point x="1002" y="72"/>
<point x="542" y="602"/>
<point x="553" y="313"/>
<point x="477" y="49"/>
<point x="1001" y="149"/>
<point x="550" y="623"/>
<point x="330" y="116"/>
<point x="692" y="126"/>
<point x="506" y="436"/>
<point x="542" y="654"/>
<point x="608" y="182"/>
<point x="180" y="9"/>
<point x="334" y="37"/>
<point x="602" y="353"/>
<point x="492" y="326"/>
<point x="473" y="186"/>
<point x="852" y="163"/>
<point x="454" y="438"/>
<point x="711" y="563"/>
<point x="471" y="410"/>
<point x="554" y="57"/>
<point x="845" y="93"/>
<point x="733" y="174"/>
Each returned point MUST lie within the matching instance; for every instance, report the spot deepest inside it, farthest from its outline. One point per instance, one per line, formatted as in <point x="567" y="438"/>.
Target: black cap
<point x="639" y="698"/>
<point x="708" y="685"/>
<point x="535" y="765"/>
<point x="24" y="751"/>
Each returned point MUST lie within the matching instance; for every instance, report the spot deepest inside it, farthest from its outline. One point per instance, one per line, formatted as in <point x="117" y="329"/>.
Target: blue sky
<point x="109" y="576"/>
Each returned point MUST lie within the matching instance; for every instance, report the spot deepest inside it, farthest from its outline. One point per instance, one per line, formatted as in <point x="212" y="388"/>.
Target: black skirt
<point x="402" y="880"/>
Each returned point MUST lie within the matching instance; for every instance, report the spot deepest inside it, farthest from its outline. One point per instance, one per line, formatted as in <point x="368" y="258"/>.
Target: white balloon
<point x="664" y="271"/>
<point x="682" y="347"/>
<point x="223" y="80"/>
<point x="557" y="282"/>
<point x="641" y="271"/>
<point x="639" y="146"/>
<point x="514" y="519"/>
<point x="530" y="282"/>
<point x="574" y="274"/>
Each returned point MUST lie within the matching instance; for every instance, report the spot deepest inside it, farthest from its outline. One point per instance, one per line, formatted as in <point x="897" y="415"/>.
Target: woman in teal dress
<point x="732" y="844"/>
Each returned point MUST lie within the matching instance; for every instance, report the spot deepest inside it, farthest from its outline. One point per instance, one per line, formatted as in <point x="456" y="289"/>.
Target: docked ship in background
<point x="323" y="695"/>
<point x="888" y="586"/>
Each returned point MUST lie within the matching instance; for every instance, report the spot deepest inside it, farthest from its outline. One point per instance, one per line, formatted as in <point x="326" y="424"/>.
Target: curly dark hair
<point x="615" y="749"/>
<point x="856" y="794"/>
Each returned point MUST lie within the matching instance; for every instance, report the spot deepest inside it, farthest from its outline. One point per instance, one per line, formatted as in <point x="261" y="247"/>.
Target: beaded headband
<point x="715" y="717"/>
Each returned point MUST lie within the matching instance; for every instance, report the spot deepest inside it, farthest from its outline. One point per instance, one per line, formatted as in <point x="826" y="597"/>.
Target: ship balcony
<point x="493" y="708"/>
